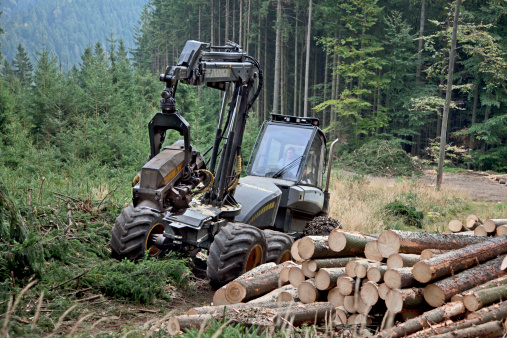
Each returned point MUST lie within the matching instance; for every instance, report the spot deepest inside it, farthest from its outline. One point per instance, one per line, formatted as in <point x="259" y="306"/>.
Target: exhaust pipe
<point x="325" y="209"/>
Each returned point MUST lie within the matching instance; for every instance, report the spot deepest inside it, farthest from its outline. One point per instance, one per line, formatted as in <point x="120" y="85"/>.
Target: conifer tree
<point x="22" y="66"/>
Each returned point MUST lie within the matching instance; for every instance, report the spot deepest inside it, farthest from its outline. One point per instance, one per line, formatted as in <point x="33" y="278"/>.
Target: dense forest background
<point x="376" y="71"/>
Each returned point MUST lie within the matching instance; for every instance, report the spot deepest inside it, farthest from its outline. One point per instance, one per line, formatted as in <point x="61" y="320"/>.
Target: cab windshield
<point x="280" y="152"/>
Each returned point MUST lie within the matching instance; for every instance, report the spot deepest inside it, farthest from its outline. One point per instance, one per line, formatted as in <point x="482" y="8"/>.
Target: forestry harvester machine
<point x="181" y="202"/>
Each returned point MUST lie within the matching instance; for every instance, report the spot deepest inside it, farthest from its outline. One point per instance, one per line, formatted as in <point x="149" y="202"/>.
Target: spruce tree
<point x="23" y="67"/>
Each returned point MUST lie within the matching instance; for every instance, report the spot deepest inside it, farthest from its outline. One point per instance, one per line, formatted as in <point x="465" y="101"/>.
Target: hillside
<point x="66" y="26"/>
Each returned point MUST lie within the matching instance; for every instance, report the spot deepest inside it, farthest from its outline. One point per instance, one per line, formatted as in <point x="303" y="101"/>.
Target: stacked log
<point x="350" y="278"/>
<point x="490" y="227"/>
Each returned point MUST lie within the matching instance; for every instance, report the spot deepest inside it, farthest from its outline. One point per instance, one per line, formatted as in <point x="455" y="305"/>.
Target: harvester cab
<point x="183" y="202"/>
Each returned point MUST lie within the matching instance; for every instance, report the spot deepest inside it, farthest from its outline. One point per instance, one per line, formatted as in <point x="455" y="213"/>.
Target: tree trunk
<point x="399" y="260"/>
<point x="315" y="247"/>
<point x="491" y="224"/>
<point x="266" y="75"/>
<point x="253" y="286"/>
<point x="472" y="222"/>
<point x="212" y="27"/>
<point x="371" y="251"/>
<point x="179" y="323"/>
<point x="474" y="119"/>
<point x="421" y="42"/>
<point x="326" y="278"/>
<point x="448" y="94"/>
<point x="394" y="241"/>
<point x="397" y="300"/>
<point x="220" y="308"/>
<point x="376" y="274"/>
<point x="399" y="278"/>
<point x="474" y="300"/>
<point x="494" y="327"/>
<point x="324" y="112"/>
<point x="276" y="89"/>
<point x="316" y="264"/>
<point x="438" y="293"/>
<point x="494" y="283"/>
<point x="348" y="243"/>
<point x="460" y="259"/>
<point x="226" y="37"/>
<point x="362" y="267"/>
<point x="294" y="251"/>
<point x="307" y="69"/>
<point x="273" y="295"/>
<point x="311" y="314"/>
<point x="437" y="315"/>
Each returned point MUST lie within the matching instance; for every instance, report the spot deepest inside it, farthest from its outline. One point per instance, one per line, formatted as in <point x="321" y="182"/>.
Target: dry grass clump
<point x="358" y="202"/>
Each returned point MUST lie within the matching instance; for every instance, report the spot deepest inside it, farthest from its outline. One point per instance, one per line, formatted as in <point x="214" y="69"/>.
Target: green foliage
<point x="142" y="281"/>
<point x="230" y="330"/>
<point x="409" y="214"/>
<point x="380" y="157"/>
<point x="455" y="155"/>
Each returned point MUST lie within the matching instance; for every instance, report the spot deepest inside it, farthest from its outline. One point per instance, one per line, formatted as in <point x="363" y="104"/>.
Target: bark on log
<point x="219" y="297"/>
<point x="316" y="264"/>
<point x="393" y="241"/>
<point x="424" y="321"/>
<point x="335" y="297"/>
<point x="472" y="222"/>
<point x="488" y="285"/>
<point x="455" y="225"/>
<point x="491" y="224"/>
<point x="288" y="296"/>
<point x="315" y="247"/>
<point x="369" y="293"/>
<point x="179" y="323"/>
<point x="399" y="260"/>
<point x="438" y="293"/>
<point x="348" y="243"/>
<point x="397" y="300"/>
<point x="326" y="278"/>
<point x="460" y="259"/>
<point x="383" y="290"/>
<point x="371" y="251"/>
<point x="226" y="308"/>
<point x="255" y="285"/>
<point x="308" y="293"/>
<point x="494" y="327"/>
<point x="399" y="278"/>
<point x="346" y="285"/>
<point x="296" y="276"/>
<point x="376" y="274"/>
<point x="430" y="253"/>
<point x="300" y="314"/>
<point x="474" y="300"/>
<point x="480" y="231"/>
<point x="408" y="314"/>
<point x="273" y="295"/>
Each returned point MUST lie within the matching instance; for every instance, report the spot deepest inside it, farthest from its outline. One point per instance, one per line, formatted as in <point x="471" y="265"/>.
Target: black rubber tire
<point x="130" y="231"/>
<point x="230" y="250"/>
<point x="279" y="245"/>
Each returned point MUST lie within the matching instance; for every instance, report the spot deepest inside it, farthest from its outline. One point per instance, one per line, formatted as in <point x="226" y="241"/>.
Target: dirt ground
<point x="478" y="187"/>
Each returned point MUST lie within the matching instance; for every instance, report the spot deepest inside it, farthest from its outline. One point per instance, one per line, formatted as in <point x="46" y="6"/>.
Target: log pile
<point x="474" y="226"/>
<point x="428" y="284"/>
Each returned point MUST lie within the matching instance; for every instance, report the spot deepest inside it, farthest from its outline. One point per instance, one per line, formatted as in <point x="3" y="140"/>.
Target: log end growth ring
<point x="422" y="272"/>
<point x="235" y="292"/>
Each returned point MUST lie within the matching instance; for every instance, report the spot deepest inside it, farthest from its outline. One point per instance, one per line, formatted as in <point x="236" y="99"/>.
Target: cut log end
<point x="371" y="251"/>
<point x="219" y="297"/>
<point x="296" y="276"/>
<point x="383" y="289"/>
<point x="173" y="327"/>
<point x="335" y="297"/>
<point x="434" y="295"/>
<point x="285" y="297"/>
<point x="455" y="225"/>
<point x="235" y="292"/>
<point x="337" y="241"/>
<point x="503" y="266"/>
<point x="471" y="302"/>
<point x="322" y="280"/>
<point x="388" y="243"/>
<point x="369" y="293"/>
<point x="307" y="293"/>
<point x="422" y="272"/>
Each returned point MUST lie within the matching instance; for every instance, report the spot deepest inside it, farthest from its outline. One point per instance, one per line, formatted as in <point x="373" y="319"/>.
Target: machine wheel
<point x="279" y="245"/>
<point x="132" y="233"/>
<point x="321" y="225"/>
<point x="237" y="248"/>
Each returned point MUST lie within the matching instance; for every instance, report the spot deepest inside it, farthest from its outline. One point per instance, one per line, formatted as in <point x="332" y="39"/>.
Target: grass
<point x="359" y="204"/>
